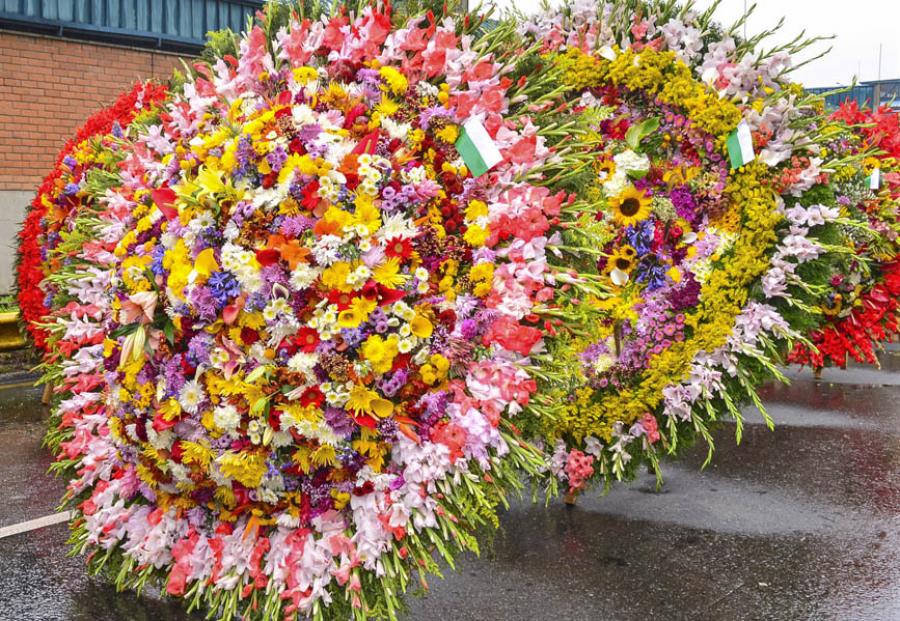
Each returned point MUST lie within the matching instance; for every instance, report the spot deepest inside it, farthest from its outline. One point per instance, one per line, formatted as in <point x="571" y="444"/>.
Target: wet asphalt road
<point x="801" y="523"/>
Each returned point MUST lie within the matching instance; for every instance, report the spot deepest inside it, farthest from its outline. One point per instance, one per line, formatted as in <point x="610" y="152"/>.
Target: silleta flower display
<point x="295" y="320"/>
<point x="707" y="194"/>
<point x="861" y="307"/>
<point x="57" y="199"/>
<point x="313" y="310"/>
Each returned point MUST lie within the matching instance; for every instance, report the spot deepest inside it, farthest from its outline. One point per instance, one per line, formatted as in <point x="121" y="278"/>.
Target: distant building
<point x="874" y="94"/>
<point x="62" y="60"/>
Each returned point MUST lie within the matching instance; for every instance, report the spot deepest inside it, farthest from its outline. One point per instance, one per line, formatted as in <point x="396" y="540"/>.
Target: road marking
<point x="18" y="385"/>
<point x="24" y="527"/>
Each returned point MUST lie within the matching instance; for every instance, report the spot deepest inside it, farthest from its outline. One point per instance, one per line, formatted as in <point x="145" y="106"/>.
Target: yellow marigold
<point x="395" y="81"/>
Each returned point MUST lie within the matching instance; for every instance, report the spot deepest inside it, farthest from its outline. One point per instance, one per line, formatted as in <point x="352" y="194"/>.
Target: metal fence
<point x="171" y="24"/>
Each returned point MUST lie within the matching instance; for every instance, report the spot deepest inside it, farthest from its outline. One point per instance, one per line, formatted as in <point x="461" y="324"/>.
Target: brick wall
<point x="48" y="88"/>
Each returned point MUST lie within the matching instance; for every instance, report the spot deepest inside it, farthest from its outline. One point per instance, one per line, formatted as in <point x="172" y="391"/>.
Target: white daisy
<point x="191" y="396"/>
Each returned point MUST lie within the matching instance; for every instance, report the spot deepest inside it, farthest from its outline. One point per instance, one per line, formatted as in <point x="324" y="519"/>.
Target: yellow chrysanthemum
<point x="335" y="276"/>
<point x="380" y="352"/>
<point x="395" y="81"/>
<point x="359" y="311"/>
<point x="388" y="273"/>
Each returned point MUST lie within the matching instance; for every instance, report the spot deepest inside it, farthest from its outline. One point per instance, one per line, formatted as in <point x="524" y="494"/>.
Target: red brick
<point x="50" y="87"/>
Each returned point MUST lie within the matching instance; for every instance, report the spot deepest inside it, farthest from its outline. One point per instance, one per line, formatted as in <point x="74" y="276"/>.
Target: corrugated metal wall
<point x="180" y="21"/>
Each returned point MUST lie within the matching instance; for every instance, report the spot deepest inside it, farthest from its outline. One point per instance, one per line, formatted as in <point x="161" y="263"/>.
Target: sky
<point x="859" y="26"/>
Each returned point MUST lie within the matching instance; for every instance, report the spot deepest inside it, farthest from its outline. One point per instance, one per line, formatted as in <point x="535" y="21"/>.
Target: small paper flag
<point x="875" y="179"/>
<point x="740" y="146"/>
<point x="477" y="148"/>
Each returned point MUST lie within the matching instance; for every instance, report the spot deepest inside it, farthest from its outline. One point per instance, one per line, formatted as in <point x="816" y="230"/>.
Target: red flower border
<point x="877" y="318"/>
<point x="30" y="267"/>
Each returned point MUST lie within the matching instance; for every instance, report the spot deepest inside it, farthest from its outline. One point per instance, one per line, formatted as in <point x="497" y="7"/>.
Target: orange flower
<point x="291" y="250"/>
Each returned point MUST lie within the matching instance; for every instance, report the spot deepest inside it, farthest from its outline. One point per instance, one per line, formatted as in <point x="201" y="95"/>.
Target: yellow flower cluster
<point x="657" y="73"/>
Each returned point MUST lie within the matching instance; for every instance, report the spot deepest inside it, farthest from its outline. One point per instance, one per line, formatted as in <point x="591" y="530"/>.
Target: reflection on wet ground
<point x="800" y="523"/>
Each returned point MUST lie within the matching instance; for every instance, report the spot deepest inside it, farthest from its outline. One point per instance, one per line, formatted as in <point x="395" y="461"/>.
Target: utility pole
<point x="745" y="20"/>
<point x="877" y="94"/>
<point x="880" y="48"/>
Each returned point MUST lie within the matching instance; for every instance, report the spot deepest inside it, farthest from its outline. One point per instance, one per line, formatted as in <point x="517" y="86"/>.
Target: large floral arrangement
<point x="713" y="264"/>
<point x="57" y="199"/>
<point x="301" y="351"/>
<point x="297" y="326"/>
<point x="861" y="305"/>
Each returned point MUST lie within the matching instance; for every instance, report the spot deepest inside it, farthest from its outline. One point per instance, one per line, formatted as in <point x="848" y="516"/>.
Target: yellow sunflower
<point x="630" y="206"/>
<point x="606" y="169"/>
<point x="621" y="259"/>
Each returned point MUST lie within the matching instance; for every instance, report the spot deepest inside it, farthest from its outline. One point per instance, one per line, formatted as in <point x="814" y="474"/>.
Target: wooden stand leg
<point x="817" y="373"/>
<point x="570" y="499"/>
<point x="48" y="393"/>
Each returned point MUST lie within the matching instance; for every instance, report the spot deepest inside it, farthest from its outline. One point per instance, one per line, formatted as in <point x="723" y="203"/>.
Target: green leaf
<point x="638" y="132"/>
<point x="257" y="373"/>
<point x="169" y="331"/>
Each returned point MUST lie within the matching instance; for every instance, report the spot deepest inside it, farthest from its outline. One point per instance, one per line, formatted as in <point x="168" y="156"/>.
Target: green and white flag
<point x="875" y="179"/>
<point x="740" y="146"/>
<point x="477" y="148"/>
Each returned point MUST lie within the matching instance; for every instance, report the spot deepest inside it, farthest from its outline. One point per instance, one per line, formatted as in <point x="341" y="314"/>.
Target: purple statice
<point x="256" y="301"/>
<point x="117" y="130"/>
<point x="245" y="156"/>
<point x="70" y="162"/>
<point x="353" y="336"/>
<point x="174" y="375"/>
<point x="223" y="286"/>
<point x="291" y="483"/>
<point x="71" y="188"/>
<point x="593" y="352"/>
<point x="435" y="406"/>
